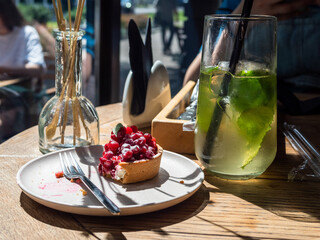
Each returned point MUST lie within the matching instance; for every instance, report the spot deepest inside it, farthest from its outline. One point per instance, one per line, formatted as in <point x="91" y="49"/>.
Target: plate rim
<point x="84" y="208"/>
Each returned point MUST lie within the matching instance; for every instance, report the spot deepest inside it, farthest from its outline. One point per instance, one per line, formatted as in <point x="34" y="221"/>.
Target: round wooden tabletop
<point x="268" y="207"/>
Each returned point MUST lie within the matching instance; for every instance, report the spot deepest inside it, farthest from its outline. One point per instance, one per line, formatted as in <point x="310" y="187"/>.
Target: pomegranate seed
<point x="135" y="149"/>
<point x="103" y="159"/>
<point x="135" y="136"/>
<point x="128" y="130"/>
<point x="149" y="154"/>
<point x="142" y="141"/>
<point x="125" y="145"/>
<point x="108" y="164"/>
<point x="119" y="159"/>
<point x="134" y="128"/>
<point x="127" y="153"/>
<point x="144" y="149"/>
<point x="147" y="136"/>
<point x="153" y="144"/>
<point x="106" y="148"/>
<point x="121" y="133"/>
<point x="108" y="155"/>
<point x="113" y="145"/>
<point x="114" y="137"/>
<point x="129" y="141"/>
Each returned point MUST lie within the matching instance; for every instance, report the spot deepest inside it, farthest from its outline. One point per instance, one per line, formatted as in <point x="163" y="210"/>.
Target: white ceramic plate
<point x="178" y="179"/>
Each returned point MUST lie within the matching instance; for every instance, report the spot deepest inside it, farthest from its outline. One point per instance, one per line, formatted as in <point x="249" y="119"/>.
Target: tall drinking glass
<point x="236" y="130"/>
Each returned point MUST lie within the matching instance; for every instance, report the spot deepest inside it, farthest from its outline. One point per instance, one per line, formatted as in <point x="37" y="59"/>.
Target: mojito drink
<point x="244" y="141"/>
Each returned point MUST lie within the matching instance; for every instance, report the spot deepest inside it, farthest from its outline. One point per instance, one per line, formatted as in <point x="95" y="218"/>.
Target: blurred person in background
<point x="20" y="48"/>
<point x="164" y="17"/>
<point x="20" y="56"/>
<point x="298" y="37"/>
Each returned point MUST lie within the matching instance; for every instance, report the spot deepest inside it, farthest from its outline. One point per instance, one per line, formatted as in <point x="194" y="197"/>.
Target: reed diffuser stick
<point x="69" y="13"/>
<point x="56" y="12"/>
<point x="68" y="82"/>
<point x="61" y="18"/>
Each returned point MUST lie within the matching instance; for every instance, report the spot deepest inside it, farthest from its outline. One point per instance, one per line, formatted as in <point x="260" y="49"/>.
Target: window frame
<point x="107" y="62"/>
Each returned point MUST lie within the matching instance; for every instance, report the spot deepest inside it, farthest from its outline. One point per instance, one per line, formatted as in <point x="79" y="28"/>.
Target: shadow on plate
<point x="154" y="183"/>
<point x="89" y="155"/>
<point x="115" y="226"/>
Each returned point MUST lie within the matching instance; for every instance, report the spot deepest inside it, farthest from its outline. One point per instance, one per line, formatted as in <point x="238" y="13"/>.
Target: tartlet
<point x="130" y="156"/>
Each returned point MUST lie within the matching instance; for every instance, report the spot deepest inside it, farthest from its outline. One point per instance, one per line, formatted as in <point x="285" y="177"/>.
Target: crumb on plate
<point x="59" y="174"/>
<point x="84" y="193"/>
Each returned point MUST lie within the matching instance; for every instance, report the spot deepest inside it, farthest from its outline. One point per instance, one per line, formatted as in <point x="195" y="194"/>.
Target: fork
<point x="72" y="170"/>
<point x="303" y="146"/>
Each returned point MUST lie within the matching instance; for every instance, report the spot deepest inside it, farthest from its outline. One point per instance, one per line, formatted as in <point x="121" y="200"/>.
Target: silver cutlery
<point x="304" y="148"/>
<point x="72" y="170"/>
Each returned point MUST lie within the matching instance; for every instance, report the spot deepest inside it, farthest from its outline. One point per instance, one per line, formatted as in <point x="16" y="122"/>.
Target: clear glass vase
<point x="68" y="119"/>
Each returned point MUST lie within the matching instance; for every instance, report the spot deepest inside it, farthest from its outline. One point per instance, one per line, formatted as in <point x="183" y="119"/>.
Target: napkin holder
<point x="157" y="97"/>
<point x="168" y="130"/>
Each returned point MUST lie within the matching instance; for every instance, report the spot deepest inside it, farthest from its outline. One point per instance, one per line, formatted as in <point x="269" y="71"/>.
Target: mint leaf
<point x="117" y="128"/>
<point x="252" y="98"/>
<point x="254" y="124"/>
<point x="246" y="93"/>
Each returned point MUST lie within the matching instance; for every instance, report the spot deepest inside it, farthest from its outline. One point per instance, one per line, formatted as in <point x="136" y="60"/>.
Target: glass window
<point x="22" y="93"/>
<point x="176" y="39"/>
<point x="176" y="33"/>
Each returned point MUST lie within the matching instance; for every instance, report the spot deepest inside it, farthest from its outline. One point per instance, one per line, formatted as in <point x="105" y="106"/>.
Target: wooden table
<point x="268" y="207"/>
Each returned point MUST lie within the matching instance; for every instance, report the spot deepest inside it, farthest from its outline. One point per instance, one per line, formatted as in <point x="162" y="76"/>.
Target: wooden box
<point x="167" y="129"/>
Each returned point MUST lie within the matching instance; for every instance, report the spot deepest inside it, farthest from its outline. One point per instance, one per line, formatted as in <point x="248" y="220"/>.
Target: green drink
<point x="236" y="129"/>
<point x="245" y="143"/>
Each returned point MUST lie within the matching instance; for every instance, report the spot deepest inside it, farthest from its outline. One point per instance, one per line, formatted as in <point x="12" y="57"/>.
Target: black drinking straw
<point x="218" y="111"/>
